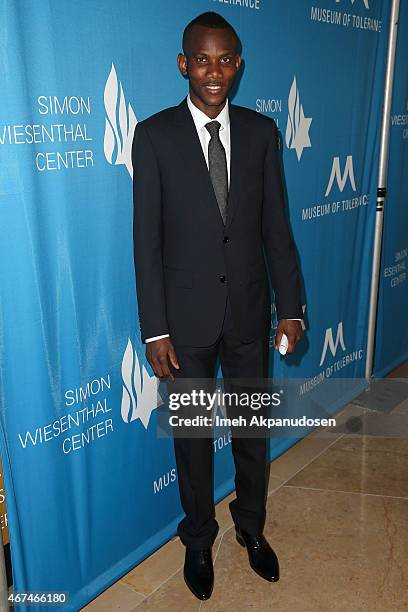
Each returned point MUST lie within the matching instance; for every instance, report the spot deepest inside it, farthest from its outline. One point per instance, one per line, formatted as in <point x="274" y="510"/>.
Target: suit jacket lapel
<point x="191" y="150"/>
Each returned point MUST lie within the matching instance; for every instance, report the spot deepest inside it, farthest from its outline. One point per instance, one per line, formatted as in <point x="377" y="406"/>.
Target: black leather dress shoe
<point x="199" y="572"/>
<point x="262" y="558"/>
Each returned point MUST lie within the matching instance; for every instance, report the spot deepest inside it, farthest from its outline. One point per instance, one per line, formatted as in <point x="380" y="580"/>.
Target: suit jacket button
<point x="225" y="239"/>
<point x="222" y="279"/>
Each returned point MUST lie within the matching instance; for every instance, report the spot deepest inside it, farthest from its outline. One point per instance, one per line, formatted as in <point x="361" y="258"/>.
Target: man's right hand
<point x="157" y="353"/>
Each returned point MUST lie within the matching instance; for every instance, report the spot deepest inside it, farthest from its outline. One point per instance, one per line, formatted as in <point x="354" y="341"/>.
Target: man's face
<point x="211" y="63"/>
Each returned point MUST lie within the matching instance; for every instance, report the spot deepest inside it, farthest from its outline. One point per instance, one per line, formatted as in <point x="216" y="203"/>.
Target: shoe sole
<point x="241" y="541"/>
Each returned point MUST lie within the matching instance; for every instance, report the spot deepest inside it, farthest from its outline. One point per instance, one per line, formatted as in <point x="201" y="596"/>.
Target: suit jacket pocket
<point x="178" y="277"/>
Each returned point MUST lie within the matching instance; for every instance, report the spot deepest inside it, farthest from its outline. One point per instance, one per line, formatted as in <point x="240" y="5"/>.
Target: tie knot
<point x="213" y="127"/>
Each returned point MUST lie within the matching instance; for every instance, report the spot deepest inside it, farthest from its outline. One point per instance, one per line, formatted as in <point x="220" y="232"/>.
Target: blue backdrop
<point x="91" y="490"/>
<point x="392" y="329"/>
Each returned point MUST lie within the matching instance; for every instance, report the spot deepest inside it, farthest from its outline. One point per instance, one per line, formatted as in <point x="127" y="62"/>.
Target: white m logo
<point x="331" y="344"/>
<point x="336" y="174"/>
<point x="352" y="2"/>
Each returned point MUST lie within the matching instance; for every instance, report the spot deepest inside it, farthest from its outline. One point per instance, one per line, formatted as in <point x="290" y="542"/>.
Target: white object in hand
<point x="283" y="347"/>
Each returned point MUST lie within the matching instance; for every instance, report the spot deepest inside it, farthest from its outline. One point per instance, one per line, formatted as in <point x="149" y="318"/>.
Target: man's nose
<point x="214" y="70"/>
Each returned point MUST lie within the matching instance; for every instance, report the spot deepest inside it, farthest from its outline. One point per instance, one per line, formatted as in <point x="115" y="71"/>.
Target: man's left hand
<point x="293" y="330"/>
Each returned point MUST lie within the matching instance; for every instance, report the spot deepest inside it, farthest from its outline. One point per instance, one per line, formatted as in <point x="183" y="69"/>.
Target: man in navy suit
<point x="209" y="214"/>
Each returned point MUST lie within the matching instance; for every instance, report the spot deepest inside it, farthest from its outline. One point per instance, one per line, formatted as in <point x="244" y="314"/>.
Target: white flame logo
<point x="120" y="124"/>
<point x="297" y="127"/>
<point x="139" y="395"/>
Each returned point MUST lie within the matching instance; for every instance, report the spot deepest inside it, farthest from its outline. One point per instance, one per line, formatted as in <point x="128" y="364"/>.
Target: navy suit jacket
<point x="186" y="260"/>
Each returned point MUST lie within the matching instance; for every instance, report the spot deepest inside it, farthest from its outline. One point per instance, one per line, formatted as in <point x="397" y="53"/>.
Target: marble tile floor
<point x="337" y="519"/>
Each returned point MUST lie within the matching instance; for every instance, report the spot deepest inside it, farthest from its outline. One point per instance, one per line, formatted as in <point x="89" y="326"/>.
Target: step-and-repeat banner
<point x="392" y="328"/>
<point x="91" y="489"/>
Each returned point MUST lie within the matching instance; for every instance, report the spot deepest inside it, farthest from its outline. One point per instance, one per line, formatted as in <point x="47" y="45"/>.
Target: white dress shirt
<point x="200" y="119"/>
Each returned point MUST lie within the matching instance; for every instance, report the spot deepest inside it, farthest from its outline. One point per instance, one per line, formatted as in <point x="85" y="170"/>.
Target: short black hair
<point x="209" y="20"/>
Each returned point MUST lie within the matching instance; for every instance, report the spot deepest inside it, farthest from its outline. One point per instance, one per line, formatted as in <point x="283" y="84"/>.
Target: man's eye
<point x="226" y="60"/>
<point x="200" y="59"/>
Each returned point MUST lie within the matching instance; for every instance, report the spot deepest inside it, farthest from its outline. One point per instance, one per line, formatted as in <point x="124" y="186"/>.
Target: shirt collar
<point x="200" y="118"/>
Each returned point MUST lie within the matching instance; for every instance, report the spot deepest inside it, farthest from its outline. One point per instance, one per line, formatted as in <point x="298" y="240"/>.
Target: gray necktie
<point x="217" y="165"/>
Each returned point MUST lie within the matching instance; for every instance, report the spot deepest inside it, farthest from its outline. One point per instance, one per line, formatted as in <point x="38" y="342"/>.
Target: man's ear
<point x="182" y="63"/>
<point x="237" y="62"/>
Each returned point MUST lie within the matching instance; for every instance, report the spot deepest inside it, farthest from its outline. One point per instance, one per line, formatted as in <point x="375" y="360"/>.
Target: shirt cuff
<point x="157" y="338"/>
<point x="301" y="320"/>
